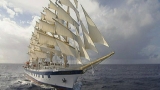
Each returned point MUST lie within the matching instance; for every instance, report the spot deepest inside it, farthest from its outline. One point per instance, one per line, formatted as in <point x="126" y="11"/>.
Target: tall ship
<point x="58" y="46"/>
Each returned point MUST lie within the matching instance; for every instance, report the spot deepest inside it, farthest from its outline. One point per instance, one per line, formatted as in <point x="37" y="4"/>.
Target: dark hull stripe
<point x="71" y="72"/>
<point x="57" y="87"/>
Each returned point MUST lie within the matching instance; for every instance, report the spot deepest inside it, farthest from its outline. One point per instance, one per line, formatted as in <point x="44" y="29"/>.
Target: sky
<point x="131" y="28"/>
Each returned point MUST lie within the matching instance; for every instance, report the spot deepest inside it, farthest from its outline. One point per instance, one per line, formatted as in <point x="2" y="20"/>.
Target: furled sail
<point x="94" y="33"/>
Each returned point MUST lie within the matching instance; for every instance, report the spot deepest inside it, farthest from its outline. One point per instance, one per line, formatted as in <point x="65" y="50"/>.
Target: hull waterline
<point x="58" y="79"/>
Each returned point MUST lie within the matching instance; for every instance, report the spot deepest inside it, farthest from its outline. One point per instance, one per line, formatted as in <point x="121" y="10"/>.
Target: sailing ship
<point x="56" y="37"/>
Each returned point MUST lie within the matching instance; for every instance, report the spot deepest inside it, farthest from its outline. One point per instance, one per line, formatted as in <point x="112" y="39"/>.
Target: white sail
<point x="44" y="26"/>
<point x="87" y="40"/>
<point x="37" y="24"/>
<point x="40" y="54"/>
<point x="35" y="32"/>
<point x="79" y="61"/>
<point x="62" y="30"/>
<point x="79" y="41"/>
<point x="94" y="33"/>
<point x="88" y="43"/>
<point x="46" y="39"/>
<point x="76" y="2"/>
<point x="34" y="37"/>
<point x="42" y="16"/>
<point x="56" y="52"/>
<point x="31" y="50"/>
<point x="77" y="56"/>
<point x="83" y="52"/>
<point x="45" y="49"/>
<point x="33" y="55"/>
<point x="37" y="48"/>
<point x="30" y="58"/>
<point x="83" y="27"/>
<point x="33" y="47"/>
<point x="62" y="14"/>
<point x="68" y="3"/>
<point x="49" y="15"/>
<point x="34" y="42"/>
<point x="66" y="49"/>
<point x="52" y="6"/>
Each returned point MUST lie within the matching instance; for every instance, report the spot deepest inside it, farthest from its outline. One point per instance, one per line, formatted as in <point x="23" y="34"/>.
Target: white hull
<point x="60" y="81"/>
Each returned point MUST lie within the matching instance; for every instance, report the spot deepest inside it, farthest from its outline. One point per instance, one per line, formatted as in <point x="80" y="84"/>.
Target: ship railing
<point x="47" y="66"/>
<point x="52" y="66"/>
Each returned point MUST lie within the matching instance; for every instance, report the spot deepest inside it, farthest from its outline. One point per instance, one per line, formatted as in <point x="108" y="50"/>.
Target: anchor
<point x="64" y="80"/>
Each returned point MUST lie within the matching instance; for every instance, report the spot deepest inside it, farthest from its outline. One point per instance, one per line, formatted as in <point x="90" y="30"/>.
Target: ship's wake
<point x="77" y="86"/>
<point x="24" y="84"/>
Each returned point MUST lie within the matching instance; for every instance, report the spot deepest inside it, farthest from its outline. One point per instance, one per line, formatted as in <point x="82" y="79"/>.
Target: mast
<point x="65" y="56"/>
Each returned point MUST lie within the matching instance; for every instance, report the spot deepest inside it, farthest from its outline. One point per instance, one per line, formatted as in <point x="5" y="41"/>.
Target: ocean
<point x="105" y="77"/>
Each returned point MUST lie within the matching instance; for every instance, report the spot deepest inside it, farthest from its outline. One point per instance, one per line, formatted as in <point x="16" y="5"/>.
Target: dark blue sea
<point x="105" y="77"/>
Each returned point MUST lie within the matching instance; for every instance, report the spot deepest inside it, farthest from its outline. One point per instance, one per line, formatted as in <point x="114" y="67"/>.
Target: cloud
<point x="18" y="10"/>
<point x="129" y="27"/>
<point x="151" y="51"/>
<point x="14" y="40"/>
<point x="10" y="9"/>
<point x="11" y="12"/>
<point x="30" y="6"/>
